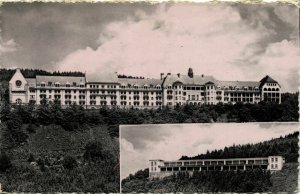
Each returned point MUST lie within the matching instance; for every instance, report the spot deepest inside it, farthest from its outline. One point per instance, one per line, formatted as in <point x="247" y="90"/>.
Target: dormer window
<point x="81" y="85"/>
<point x="74" y="84"/>
<point x="43" y="84"/>
<point x="68" y="85"/>
<point x="145" y="86"/>
<point x="136" y="86"/>
<point x="49" y="83"/>
<point x="57" y="84"/>
<point x="169" y="87"/>
<point x="158" y="87"/>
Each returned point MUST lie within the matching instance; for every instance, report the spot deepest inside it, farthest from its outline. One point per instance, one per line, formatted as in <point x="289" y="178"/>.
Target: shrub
<point x="5" y="162"/>
<point x="69" y="163"/>
<point x="31" y="158"/>
<point x="93" y="150"/>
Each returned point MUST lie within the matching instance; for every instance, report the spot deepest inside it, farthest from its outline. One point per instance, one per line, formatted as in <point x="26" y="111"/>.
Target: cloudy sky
<point x="140" y="143"/>
<point x="228" y="41"/>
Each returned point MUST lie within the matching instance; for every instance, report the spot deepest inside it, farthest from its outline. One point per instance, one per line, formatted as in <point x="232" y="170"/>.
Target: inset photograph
<point x="248" y="157"/>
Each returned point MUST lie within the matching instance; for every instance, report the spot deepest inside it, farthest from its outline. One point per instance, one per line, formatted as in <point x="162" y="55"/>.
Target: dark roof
<point x="268" y="79"/>
<point x="238" y="83"/>
<point x="60" y="79"/>
<point x="185" y="79"/>
<point x="140" y="82"/>
<point x="104" y="78"/>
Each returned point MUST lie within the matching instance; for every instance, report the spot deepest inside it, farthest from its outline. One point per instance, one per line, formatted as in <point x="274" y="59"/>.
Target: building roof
<point x="140" y="82"/>
<point x="268" y="79"/>
<point x="31" y="81"/>
<point x="104" y="78"/>
<point x="60" y="79"/>
<point x="238" y="83"/>
<point x="185" y="79"/>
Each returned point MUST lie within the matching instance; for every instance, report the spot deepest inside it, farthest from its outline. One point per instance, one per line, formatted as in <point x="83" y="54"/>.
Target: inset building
<point x="160" y="168"/>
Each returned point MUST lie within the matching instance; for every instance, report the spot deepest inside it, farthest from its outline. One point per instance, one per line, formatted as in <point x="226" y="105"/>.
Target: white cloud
<point x="7" y="46"/>
<point x="209" y="38"/>
<point x="283" y="57"/>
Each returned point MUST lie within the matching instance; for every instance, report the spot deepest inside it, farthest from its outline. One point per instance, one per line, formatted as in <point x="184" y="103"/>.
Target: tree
<point x="93" y="151"/>
<point x="69" y="162"/>
<point x="5" y="162"/>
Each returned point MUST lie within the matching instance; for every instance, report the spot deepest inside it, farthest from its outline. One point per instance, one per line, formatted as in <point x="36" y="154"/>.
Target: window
<point x="18" y="101"/>
<point x="18" y="83"/>
<point x="57" y="84"/>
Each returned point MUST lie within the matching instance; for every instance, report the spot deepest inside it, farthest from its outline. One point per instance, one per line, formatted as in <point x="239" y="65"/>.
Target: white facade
<point x="160" y="168"/>
<point x="170" y="90"/>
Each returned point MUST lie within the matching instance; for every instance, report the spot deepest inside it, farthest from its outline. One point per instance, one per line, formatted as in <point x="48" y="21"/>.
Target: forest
<point x="252" y="180"/>
<point x="286" y="146"/>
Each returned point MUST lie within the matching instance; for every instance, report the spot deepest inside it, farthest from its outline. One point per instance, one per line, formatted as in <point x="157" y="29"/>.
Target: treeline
<point x="130" y="77"/>
<point x="6" y="74"/>
<point x="254" y="180"/>
<point x="74" y="116"/>
<point x="284" y="146"/>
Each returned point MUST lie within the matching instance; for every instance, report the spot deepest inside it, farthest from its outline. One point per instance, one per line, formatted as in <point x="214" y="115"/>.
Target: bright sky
<point x="140" y="143"/>
<point x="228" y="41"/>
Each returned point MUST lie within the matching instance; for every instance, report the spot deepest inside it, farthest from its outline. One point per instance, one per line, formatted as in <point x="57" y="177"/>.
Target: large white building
<point x="169" y="90"/>
<point x="160" y="168"/>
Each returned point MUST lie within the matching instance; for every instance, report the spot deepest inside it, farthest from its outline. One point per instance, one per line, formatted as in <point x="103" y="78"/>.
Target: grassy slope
<point x="54" y="142"/>
<point x="285" y="180"/>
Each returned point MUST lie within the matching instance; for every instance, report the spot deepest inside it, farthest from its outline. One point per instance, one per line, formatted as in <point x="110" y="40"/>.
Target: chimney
<point x="190" y="73"/>
<point x="202" y="75"/>
<point x="178" y="74"/>
<point x="161" y="76"/>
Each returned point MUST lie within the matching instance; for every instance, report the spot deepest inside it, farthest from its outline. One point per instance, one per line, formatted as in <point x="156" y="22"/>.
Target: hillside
<point x="286" y="179"/>
<point x="61" y="161"/>
<point x="255" y="180"/>
<point x="284" y="146"/>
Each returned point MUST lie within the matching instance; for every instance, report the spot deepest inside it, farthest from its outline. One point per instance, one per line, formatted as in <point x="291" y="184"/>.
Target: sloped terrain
<point x="285" y="180"/>
<point x="49" y="146"/>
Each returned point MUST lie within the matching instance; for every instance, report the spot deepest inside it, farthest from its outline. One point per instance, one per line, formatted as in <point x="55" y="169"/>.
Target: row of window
<point x="57" y="84"/>
<point x="137" y="86"/>
<point x="271" y="89"/>
<point x="102" y="86"/>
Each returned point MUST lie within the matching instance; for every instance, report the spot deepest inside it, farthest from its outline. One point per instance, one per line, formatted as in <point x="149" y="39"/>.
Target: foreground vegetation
<point x="252" y="180"/>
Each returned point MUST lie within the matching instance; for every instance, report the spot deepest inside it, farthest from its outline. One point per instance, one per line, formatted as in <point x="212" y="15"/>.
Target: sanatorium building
<point x="169" y="90"/>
